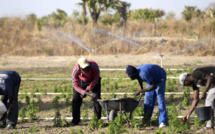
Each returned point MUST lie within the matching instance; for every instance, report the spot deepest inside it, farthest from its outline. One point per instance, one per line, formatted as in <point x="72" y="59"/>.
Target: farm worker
<point x="9" y="88"/>
<point x="204" y="76"/>
<point x="155" y="77"/>
<point x="85" y="78"/>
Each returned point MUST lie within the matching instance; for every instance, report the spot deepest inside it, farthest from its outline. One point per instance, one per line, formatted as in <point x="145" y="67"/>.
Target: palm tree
<point x="84" y="9"/>
<point x="123" y="12"/>
<point x="188" y="12"/>
<point x="95" y="7"/>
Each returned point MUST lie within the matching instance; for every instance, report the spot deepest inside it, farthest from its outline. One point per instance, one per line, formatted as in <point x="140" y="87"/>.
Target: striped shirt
<point x="91" y="76"/>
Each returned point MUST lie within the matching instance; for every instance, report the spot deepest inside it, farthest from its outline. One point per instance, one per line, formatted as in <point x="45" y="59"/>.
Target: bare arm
<point x="152" y="87"/>
<point x="140" y="83"/>
<point x="194" y="104"/>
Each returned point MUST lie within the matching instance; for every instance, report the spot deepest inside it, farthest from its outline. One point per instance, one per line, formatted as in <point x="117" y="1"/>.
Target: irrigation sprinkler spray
<point x="79" y="42"/>
<point x="75" y="39"/>
<point x="120" y="37"/>
<point x="21" y="48"/>
<point x="162" y="43"/>
<point x="161" y="60"/>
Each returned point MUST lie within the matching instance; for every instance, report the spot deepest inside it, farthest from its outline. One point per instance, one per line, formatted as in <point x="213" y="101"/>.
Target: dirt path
<point x="107" y="61"/>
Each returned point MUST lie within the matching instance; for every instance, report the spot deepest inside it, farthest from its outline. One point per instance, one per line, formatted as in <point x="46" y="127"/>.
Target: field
<point x="61" y="67"/>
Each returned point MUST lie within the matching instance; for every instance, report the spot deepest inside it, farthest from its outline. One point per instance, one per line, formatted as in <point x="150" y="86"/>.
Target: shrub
<point x="159" y="131"/>
<point x="115" y="85"/>
<point x="178" y="71"/>
<point x="22" y="115"/>
<point x="168" y="72"/>
<point x="57" y="119"/>
<point x="85" y="116"/>
<point x="185" y="102"/>
<point x="125" y="96"/>
<point x="33" y="129"/>
<point x="39" y="99"/>
<point x="175" y="125"/>
<point x="190" y="70"/>
<point x="32" y="110"/>
<point x="197" y="122"/>
<point x="95" y="123"/>
<point x="117" y="126"/>
<point x="27" y="99"/>
<point x="171" y="98"/>
<point x="69" y="109"/>
<point x="55" y="102"/>
<point x="75" y="131"/>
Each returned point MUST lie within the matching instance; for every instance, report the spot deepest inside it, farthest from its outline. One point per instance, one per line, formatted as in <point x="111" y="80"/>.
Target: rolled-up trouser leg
<point x="210" y="102"/>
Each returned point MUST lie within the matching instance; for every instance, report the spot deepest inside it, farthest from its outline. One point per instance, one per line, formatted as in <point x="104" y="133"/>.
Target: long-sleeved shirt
<point x="92" y="76"/>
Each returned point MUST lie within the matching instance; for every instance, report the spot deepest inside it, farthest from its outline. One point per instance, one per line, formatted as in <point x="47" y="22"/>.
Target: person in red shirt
<point x="85" y="78"/>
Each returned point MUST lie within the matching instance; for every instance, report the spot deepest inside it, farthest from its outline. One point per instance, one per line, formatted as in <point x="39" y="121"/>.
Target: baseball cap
<point x="182" y="78"/>
<point x="83" y="62"/>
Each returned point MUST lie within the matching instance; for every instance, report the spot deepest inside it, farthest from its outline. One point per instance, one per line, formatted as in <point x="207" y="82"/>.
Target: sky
<point x="11" y="8"/>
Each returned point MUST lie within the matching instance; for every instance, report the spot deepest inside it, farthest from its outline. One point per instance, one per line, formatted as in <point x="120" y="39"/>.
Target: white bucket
<point x="3" y="108"/>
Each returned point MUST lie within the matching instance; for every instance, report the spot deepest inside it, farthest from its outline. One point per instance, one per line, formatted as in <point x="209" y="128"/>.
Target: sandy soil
<point x="107" y="61"/>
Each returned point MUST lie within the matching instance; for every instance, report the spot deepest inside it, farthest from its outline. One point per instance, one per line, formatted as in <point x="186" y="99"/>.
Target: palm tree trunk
<point x="122" y="11"/>
<point x="94" y="17"/>
<point x="84" y="10"/>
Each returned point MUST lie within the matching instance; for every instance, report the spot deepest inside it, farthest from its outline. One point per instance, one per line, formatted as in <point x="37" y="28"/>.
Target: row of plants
<point x="32" y="106"/>
<point x="175" y="126"/>
<point x="108" y="85"/>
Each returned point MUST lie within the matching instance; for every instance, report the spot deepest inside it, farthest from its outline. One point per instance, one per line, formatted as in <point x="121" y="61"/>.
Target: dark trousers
<point x="77" y="101"/>
<point x="11" y="116"/>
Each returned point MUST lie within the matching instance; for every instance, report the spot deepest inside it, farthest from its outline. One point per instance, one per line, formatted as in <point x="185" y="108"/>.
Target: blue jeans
<point x="149" y="102"/>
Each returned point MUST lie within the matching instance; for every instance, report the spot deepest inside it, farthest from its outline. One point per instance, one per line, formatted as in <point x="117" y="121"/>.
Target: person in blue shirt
<point x="155" y="77"/>
<point x="9" y="88"/>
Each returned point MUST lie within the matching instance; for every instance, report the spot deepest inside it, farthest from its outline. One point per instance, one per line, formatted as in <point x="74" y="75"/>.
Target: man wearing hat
<point x="85" y="78"/>
<point x="204" y="76"/>
<point x="155" y="77"/>
<point x="9" y="88"/>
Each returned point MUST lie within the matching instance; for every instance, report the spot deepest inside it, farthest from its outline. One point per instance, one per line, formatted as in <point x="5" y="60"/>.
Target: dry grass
<point x="137" y="38"/>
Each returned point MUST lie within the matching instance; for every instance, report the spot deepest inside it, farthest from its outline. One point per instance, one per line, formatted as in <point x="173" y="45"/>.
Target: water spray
<point x="75" y="39"/>
<point x="162" y="43"/>
<point x="21" y="48"/>
<point x="120" y="37"/>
